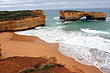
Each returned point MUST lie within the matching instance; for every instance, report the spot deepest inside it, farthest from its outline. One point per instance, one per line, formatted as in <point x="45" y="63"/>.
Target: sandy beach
<point x="20" y="45"/>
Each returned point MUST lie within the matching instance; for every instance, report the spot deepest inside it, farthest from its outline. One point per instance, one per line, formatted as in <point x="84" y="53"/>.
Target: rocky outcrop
<point x="25" y="23"/>
<point x="35" y="65"/>
<point x="0" y="52"/>
<point x="69" y="15"/>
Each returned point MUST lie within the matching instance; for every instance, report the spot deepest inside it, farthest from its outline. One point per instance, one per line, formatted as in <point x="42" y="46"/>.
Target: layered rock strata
<point x="69" y="15"/>
<point x="23" y="24"/>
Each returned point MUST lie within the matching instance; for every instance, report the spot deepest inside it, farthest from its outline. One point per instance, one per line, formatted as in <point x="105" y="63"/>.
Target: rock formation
<point x="35" y="65"/>
<point x="0" y="52"/>
<point x="23" y="24"/>
<point x="69" y="15"/>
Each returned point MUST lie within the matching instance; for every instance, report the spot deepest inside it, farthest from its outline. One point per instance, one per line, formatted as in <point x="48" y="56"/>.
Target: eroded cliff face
<point x="25" y="23"/>
<point x="76" y="15"/>
<point x="0" y="52"/>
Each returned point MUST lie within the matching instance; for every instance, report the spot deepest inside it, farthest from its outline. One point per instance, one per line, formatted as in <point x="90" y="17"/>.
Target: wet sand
<point x="20" y="45"/>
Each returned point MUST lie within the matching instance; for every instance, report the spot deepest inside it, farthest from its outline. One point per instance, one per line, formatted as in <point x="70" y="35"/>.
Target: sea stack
<point x="21" y="20"/>
<point x="71" y="15"/>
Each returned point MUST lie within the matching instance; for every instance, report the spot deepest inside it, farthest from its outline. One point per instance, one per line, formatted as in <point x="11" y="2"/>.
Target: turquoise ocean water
<point x="86" y="41"/>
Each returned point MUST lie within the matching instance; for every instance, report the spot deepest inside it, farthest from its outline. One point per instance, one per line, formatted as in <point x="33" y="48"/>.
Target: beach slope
<point x="20" y="45"/>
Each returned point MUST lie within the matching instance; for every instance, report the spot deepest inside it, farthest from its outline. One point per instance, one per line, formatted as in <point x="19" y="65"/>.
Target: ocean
<point x="87" y="41"/>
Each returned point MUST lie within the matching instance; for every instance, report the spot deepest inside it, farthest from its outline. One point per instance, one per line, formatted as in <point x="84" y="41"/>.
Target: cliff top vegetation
<point x="17" y="15"/>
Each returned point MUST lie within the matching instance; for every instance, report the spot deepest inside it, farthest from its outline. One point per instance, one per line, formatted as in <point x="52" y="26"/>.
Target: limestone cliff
<point x="23" y="24"/>
<point x="76" y="15"/>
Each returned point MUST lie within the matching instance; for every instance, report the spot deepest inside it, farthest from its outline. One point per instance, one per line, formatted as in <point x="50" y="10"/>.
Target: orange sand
<point x="19" y="45"/>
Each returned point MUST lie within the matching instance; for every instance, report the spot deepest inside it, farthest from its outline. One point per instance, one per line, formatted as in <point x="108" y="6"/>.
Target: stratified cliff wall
<point x="25" y="23"/>
<point x="76" y="15"/>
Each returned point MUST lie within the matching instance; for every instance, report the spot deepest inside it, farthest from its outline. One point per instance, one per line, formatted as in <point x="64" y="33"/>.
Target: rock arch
<point x="76" y="15"/>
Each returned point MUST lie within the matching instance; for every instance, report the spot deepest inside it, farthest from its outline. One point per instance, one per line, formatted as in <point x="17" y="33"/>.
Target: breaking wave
<point x="94" y="31"/>
<point x="56" y="18"/>
<point x="108" y="19"/>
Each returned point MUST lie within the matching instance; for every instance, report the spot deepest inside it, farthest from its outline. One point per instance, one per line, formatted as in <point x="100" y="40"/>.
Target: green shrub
<point x="25" y="70"/>
<point x="36" y="65"/>
<point x="16" y="15"/>
<point x="46" y="66"/>
<point x="59" y="65"/>
<point x="72" y="11"/>
<point x="31" y="69"/>
<point x="52" y="65"/>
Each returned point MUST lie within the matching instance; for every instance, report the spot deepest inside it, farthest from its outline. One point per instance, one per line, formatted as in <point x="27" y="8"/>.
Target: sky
<point x="52" y="4"/>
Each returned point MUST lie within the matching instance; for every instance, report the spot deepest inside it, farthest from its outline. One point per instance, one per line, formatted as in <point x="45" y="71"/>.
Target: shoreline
<point x="21" y="45"/>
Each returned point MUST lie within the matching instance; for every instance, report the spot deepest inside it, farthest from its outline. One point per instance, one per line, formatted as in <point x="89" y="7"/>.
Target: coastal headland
<point x="21" y="20"/>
